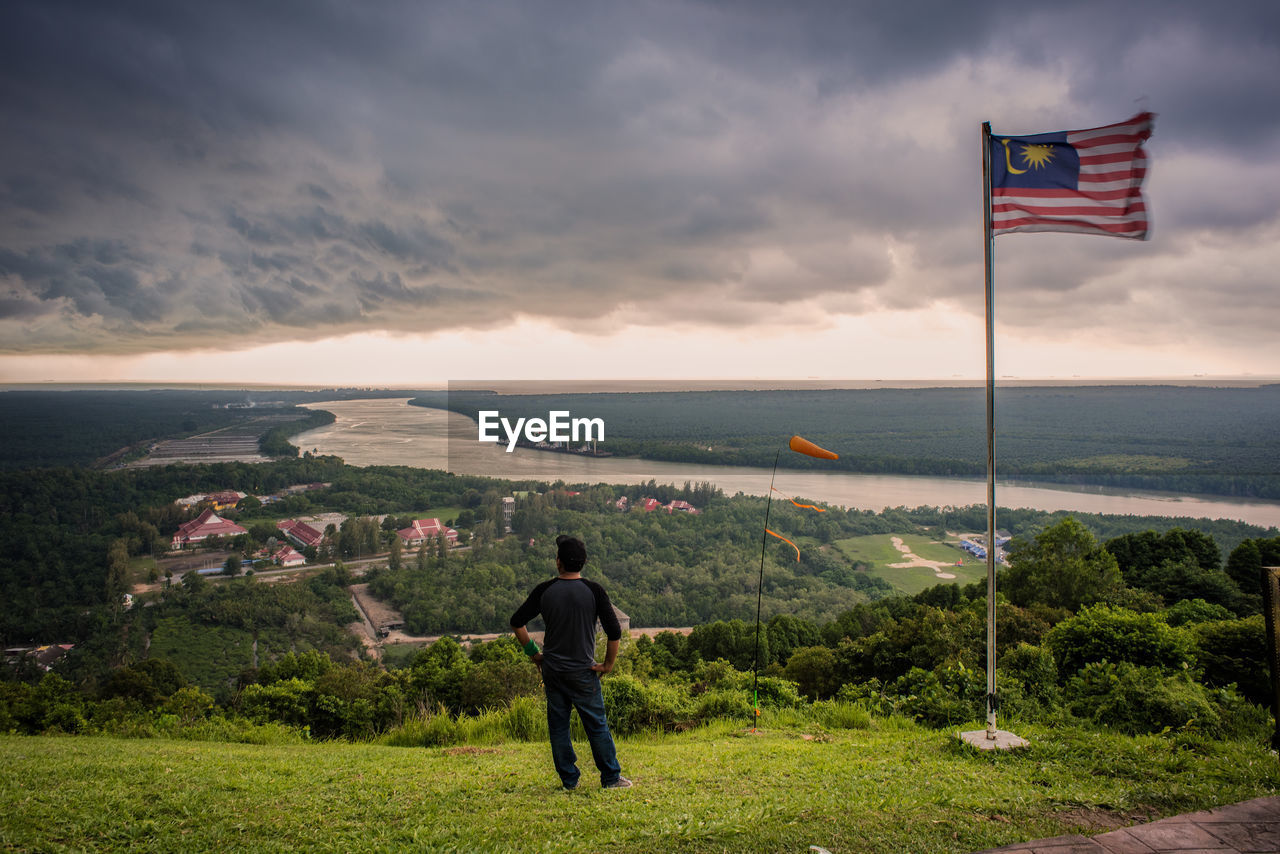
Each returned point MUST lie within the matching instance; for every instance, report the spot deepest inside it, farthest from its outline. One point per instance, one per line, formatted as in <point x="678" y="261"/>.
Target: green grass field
<point x="444" y="514"/>
<point x="878" y="551"/>
<point x="894" y="787"/>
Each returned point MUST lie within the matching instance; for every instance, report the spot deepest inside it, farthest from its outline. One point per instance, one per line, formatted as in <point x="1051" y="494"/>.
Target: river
<point x="389" y="432"/>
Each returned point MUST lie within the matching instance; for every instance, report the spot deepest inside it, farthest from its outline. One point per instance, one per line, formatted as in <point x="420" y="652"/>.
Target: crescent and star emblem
<point x="1008" y="161"/>
<point x="1033" y="154"/>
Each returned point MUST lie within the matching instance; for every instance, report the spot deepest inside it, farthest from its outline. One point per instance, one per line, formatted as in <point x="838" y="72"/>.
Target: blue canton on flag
<point x="1086" y="181"/>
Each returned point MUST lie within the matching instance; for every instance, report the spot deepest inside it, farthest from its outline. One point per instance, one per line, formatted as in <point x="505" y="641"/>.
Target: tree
<point x="1175" y="580"/>
<point x="117" y="570"/>
<point x="194" y="583"/>
<point x="395" y="559"/>
<point x="813" y="669"/>
<point x="1244" y="565"/>
<point x="732" y="640"/>
<point x="1103" y="633"/>
<point x="232" y="565"/>
<point x="787" y="634"/>
<point x="248" y="504"/>
<point x="1064" y="568"/>
<point x="1248" y="558"/>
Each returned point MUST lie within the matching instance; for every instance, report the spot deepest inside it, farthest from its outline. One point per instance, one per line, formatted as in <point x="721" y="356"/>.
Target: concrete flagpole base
<point x="998" y="740"/>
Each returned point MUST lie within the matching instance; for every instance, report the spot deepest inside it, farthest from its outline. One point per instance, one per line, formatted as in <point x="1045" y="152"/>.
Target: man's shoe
<point x="620" y="783"/>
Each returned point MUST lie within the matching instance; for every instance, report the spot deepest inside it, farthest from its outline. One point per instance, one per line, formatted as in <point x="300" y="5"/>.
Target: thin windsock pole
<point x="800" y="445"/>
<point x="988" y="245"/>
<point x="764" y="540"/>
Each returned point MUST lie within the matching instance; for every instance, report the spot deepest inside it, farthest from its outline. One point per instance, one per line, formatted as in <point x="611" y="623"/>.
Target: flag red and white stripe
<point x="1108" y="197"/>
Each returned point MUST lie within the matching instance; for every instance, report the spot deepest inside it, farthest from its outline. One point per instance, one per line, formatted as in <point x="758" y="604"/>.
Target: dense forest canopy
<point x="1191" y="439"/>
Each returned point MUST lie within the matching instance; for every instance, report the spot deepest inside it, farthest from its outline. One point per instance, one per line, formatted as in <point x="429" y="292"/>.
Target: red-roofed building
<point x="207" y="524"/>
<point x="288" y="557"/>
<point x="423" y="530"/>
<point x="682" y="506"/>
<point x="300" y="533"/>
<point x="649" y="504"/>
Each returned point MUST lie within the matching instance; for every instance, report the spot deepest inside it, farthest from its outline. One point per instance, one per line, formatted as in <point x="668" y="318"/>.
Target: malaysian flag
<point x="1087" y="181"/>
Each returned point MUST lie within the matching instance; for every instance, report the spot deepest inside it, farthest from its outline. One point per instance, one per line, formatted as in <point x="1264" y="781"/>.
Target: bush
<point x="495" y="683"/>
<point x="1242" y="719"/>
<point x="1135" y="699"/>
<point x="733" y="705"/>
<point x="776" y="692"/>
<point x="772" y="690"/>
<point x="925" y="697"/>
<point x="1031" y="673"/>
<point x="52" y="704"/>
<point x="488" y="727"/>
<point x="526" y="720"/>
<point x="1103" y="633"/>
<point x="1235" y="652"/>
<point x="633" y="706"/>
<point x="432" y="729"/>
<point x="834" y="714"/>
<point x="286" y="701"/>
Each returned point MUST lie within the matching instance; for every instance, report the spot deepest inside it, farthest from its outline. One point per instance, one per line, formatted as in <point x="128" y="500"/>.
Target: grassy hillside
<point x="889" y="788"/>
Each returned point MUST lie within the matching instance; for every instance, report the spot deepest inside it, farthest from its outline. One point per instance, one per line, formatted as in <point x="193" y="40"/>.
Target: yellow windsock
<point x="804" y="446"/>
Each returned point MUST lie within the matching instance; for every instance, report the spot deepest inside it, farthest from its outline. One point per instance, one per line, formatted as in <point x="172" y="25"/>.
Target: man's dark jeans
<point x="579" y="689"/>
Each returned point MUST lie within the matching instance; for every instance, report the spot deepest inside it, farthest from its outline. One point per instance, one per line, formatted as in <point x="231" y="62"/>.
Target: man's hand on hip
<point x="607" y="667"/>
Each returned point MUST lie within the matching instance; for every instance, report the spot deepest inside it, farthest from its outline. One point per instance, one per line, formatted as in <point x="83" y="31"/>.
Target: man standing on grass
<point x="570" y="605"/>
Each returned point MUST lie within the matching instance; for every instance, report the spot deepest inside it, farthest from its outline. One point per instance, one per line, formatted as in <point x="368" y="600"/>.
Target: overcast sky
<point x="413" y="192"/>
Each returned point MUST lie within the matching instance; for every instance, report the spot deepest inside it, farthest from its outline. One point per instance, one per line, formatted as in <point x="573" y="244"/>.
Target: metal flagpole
<point x="991" y="737"/>
<point x="988" y="245"/>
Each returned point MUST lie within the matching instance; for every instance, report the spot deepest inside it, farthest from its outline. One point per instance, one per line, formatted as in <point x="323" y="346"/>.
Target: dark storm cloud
<point x="173" y="172"/>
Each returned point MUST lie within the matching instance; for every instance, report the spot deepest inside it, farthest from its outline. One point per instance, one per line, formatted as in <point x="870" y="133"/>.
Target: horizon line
<point x="659" y="383"/>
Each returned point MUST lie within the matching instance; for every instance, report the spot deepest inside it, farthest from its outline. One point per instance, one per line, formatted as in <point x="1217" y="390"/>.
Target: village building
<point x="288" y="556"/>
<point x="225" y="499"/>
<point x="424" y="530"/>
<point x="648" y="505"/>
<point x="679" y="506"/>
<point x="43" y="658"/>
<point x="207" y="524"/>
<point x="300" y="533"/>
<point x="508" y="510"/>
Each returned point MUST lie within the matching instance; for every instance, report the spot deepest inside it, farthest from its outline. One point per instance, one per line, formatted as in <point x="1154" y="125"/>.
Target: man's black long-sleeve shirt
<point x="569" y="608"/>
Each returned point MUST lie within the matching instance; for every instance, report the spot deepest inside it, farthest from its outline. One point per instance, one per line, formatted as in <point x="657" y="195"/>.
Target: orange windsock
<point x="797" y="503"/>
<point x="804" y="446"/>
<point x="785" y="540"/>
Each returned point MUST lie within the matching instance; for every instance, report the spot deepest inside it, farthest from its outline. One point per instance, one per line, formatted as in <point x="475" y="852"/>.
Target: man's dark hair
<point x="572" y="553"/>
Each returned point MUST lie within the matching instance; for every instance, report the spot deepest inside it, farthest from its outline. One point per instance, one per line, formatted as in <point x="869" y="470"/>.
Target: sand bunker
<point x="914" y="560"/>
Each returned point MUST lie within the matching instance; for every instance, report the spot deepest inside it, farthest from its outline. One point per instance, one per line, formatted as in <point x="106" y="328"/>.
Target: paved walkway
<point x="1250" y="827"/>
